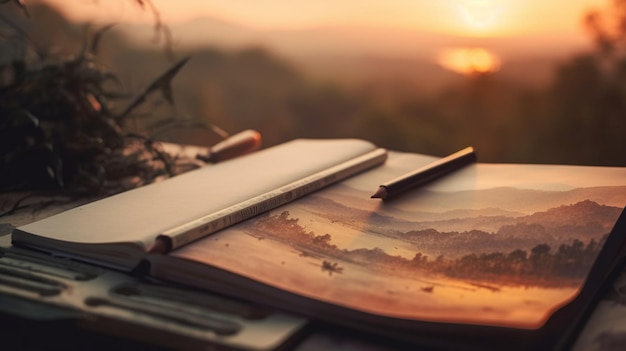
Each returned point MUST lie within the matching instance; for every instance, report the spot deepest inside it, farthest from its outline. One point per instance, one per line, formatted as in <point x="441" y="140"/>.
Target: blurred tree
<point x="587" y="100"/>
<point x="608" y="29"/>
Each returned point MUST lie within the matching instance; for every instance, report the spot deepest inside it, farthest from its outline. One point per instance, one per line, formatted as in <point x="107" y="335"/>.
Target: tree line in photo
<point x="568" y="263"/>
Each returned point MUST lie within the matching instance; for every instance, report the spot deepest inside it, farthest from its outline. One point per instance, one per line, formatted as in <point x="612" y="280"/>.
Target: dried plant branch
<point x="58" y="130"/>
<point x="163" y="84"/>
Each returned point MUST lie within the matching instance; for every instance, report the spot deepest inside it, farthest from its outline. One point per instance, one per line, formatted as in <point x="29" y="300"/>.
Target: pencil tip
<point x="381" y="193"/>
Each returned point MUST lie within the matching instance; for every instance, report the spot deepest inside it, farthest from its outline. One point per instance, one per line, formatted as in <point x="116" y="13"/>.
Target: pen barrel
<point x="239" y="144"/>
<point x="431" y="172"/>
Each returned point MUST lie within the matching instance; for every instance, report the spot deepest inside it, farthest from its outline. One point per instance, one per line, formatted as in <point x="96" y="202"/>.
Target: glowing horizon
<point x="517" y="20"/>
<point x="469" y="60"/>
<point x="469" y="18"/>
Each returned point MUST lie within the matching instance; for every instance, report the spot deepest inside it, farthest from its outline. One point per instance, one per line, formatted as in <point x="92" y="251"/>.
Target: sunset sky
<point x="534" y="24"/>
<point x="460" y="17"/>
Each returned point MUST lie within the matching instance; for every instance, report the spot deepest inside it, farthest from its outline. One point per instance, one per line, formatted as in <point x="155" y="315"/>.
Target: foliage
<point x="608" y="29"/>
<point x="58" y="124"/>
<point x="568" y="264"/>
<point x="587" y="100"/>
<point x="570" y="261"/>
<point x="289" y="230"/>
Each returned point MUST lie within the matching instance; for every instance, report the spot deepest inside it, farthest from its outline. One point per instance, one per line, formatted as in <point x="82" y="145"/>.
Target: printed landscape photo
<point x="505" y="255"/>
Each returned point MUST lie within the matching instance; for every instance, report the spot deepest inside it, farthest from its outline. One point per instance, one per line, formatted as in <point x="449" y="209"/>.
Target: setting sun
<point x="469" y="60"/>
<point x="478" y="13"/>
<point x="475" y="18"/>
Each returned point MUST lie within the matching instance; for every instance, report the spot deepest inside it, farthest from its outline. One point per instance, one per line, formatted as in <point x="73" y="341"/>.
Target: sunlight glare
<point x="478" y="14"/>
<point x="469" y="60"/>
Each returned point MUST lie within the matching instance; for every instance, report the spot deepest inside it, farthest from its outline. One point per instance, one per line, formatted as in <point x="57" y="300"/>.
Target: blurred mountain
<point x="368" y="54"/>
<point x="547" y="103"/>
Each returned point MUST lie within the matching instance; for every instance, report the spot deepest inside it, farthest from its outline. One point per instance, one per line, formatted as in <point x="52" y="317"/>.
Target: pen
<point x="426" y="174"/>
<point x="236" y="145"/>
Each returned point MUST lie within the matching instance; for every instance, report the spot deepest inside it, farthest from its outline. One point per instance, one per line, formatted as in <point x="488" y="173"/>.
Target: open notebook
<point x="490" y="256"/>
